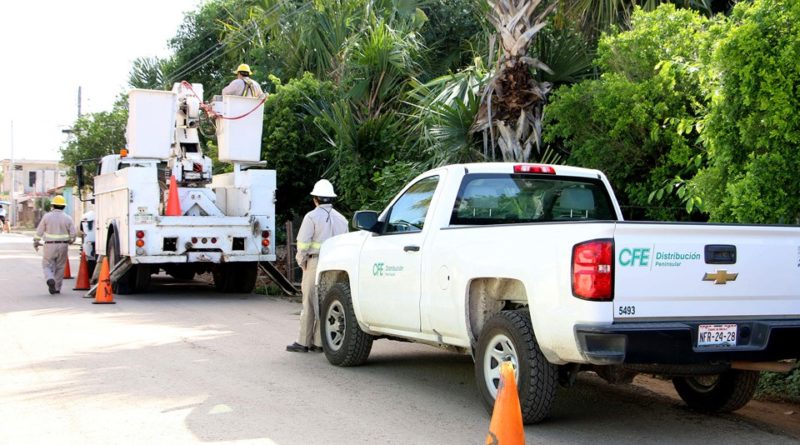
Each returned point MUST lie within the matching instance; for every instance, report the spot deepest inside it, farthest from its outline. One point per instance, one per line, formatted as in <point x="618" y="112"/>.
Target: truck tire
<point x="245" y="275"/>
<point x="343" y="341"/>
<point x="720" y="393"/>
<point x="126" y="284"/>
<point x="508" y="335"/>
<point x="143" y="274"/>
<point x="223" y="278"/>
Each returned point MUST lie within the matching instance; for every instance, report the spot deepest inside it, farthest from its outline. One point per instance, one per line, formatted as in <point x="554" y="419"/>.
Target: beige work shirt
<point x="318" y="225"/>
<point x="56" y="226"/>
<point x="243" y="87"/>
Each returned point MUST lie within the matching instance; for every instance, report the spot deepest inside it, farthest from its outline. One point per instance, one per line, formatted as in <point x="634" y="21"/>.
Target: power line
<point x="209" y="54"/>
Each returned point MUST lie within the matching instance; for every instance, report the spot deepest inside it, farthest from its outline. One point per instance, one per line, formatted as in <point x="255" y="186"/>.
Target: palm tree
<point x="512" y="101"/>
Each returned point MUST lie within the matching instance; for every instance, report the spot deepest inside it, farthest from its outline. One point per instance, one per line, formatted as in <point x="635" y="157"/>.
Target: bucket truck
<point x="225" y="223"/>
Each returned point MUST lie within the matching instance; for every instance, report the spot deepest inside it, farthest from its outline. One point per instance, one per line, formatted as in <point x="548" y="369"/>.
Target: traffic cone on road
<point x="506" y="425"/>
<point x="104" y="295"/>
<point x="173" y="202"/>
<point x="82" y="283"/>
<point x="67" y="272"/>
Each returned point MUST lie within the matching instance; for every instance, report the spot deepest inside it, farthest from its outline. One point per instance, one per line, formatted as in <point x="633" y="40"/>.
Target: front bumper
<point x="675" y="343"/>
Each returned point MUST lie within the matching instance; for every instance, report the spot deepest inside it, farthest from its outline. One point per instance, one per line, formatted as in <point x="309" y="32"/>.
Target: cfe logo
<point x="377" y="270"/>
<point x="634" y="257"/>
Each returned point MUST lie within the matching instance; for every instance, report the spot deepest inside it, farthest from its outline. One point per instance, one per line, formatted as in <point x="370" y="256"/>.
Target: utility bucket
<point x="239" y="136"/>
<point x="151" y="123"/>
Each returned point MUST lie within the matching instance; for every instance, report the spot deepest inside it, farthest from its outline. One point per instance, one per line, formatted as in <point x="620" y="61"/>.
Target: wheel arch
<point x="487" y="296"/>
<point x="112" y="237"/>
<point x="328" y="278"/>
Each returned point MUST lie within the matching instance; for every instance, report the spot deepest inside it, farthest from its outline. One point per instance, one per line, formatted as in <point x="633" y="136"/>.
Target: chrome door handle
<point x="411" y="248"/>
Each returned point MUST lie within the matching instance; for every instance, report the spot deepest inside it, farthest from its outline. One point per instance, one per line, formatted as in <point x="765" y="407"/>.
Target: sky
<point x="49" y="48"/>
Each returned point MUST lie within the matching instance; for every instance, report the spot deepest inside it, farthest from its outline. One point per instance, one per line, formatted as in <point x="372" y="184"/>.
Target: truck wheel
<point x="344" y="342"/>
<point x="508" y="336"/>
<point x="143" y="273"/>
<point x="245" y="275"/>
<point x="721" y="393"/>
<point x="223" y="278"/>
<point x="126" y="284"/>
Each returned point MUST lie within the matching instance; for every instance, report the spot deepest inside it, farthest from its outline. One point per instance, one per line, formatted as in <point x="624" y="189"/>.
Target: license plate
<point x="716" y="334"/>
<point x="204" y="257"/>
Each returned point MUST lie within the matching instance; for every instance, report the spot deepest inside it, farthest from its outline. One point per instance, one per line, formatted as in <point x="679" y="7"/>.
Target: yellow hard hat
<point x="243" y="67"/>
<point x="59" y="201"/>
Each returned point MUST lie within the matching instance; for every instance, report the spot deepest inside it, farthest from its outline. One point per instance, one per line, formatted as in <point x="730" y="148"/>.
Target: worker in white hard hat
<point x="58" y="232"/>
<point x="243" y="85"/>
<point x="318" y="225"/>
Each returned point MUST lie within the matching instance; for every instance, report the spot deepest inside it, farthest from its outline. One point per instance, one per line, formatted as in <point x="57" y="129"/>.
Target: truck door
<point x="390" y="265"/>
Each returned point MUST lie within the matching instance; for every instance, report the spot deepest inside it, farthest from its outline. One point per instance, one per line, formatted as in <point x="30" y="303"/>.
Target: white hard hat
<point x="323" y="189"/>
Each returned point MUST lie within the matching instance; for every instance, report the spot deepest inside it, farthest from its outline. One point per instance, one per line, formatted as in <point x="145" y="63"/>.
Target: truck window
<point x="409" y="211"/>
<point x="495" y="198"/>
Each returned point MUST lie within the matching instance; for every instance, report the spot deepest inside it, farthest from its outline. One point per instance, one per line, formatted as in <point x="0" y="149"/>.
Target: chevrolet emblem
<point x="721" y="277"/>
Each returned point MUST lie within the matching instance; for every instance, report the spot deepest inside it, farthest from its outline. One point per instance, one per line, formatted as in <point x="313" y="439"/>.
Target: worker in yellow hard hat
<point x="243" y="85"/>
<point x="58" y="232"/>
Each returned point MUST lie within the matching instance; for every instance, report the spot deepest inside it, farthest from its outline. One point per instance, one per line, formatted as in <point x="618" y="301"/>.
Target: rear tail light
<point x="593" y="270"/>
<point x="140" y="238"/>
<point x="534" y="168"/>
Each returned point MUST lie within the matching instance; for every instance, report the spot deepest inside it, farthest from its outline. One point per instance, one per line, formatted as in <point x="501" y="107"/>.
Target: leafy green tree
<point x="292" y="143"/>
<point x="210" y="43"/>
<point x="638" y="121"/>
<point x="148" y="73"/>
<point x="752" y="130"/>
<point x="94" y="136"/>
<point x="453" y="32"/>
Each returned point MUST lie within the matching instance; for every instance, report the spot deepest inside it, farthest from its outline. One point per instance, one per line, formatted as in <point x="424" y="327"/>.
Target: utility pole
<point x="12" y="214"/>
<point x="79" y="101"/>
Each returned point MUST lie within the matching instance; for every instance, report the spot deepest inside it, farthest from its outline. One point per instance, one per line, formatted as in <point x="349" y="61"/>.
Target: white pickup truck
<point x="534" y="264"/>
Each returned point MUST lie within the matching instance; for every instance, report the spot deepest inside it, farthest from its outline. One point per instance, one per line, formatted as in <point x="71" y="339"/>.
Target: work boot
<point x="296" y="347"/>
<point x="315" y="348"/>
<point x="51" y="286"/>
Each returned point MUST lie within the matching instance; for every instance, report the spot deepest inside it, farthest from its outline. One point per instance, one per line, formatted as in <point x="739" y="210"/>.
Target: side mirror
<point x="366" y="220"/>
<point x="79" y="176"/>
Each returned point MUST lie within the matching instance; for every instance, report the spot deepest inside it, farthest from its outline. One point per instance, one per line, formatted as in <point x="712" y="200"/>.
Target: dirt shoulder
<point x="778" y="416"/>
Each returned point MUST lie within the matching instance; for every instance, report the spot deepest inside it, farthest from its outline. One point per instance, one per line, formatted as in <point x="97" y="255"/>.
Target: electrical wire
<point x="194" y="64"/>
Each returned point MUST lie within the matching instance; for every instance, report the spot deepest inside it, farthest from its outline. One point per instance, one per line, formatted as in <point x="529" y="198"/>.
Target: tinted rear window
<point x="510" y="198"/>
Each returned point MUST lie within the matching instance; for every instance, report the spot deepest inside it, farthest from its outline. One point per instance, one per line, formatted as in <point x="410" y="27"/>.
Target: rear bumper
<point x="675" y="343"/>
<point x="186" y="259"/>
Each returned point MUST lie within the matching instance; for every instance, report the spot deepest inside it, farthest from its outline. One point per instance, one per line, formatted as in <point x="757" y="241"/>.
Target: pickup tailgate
<point x="703" y="271"/>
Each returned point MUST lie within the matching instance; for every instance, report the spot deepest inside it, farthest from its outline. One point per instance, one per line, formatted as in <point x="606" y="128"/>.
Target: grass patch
<point x="780" y="386"/>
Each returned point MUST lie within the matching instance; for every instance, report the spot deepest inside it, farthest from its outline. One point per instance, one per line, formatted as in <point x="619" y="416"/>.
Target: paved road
<point x="184" y="364"/>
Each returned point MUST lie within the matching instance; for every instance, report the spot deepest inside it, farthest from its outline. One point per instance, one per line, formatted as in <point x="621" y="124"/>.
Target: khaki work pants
<point x="309" y="325"/>
<point x="54" y="259"/>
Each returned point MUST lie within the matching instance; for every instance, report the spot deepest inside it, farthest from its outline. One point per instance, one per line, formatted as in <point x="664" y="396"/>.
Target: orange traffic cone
<point x="173" y="203"/>
<point x="67" y="272"/>
<point x="104" y="295"/>
<point x="82" y="283"/>
<point x="506" y="425"/>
